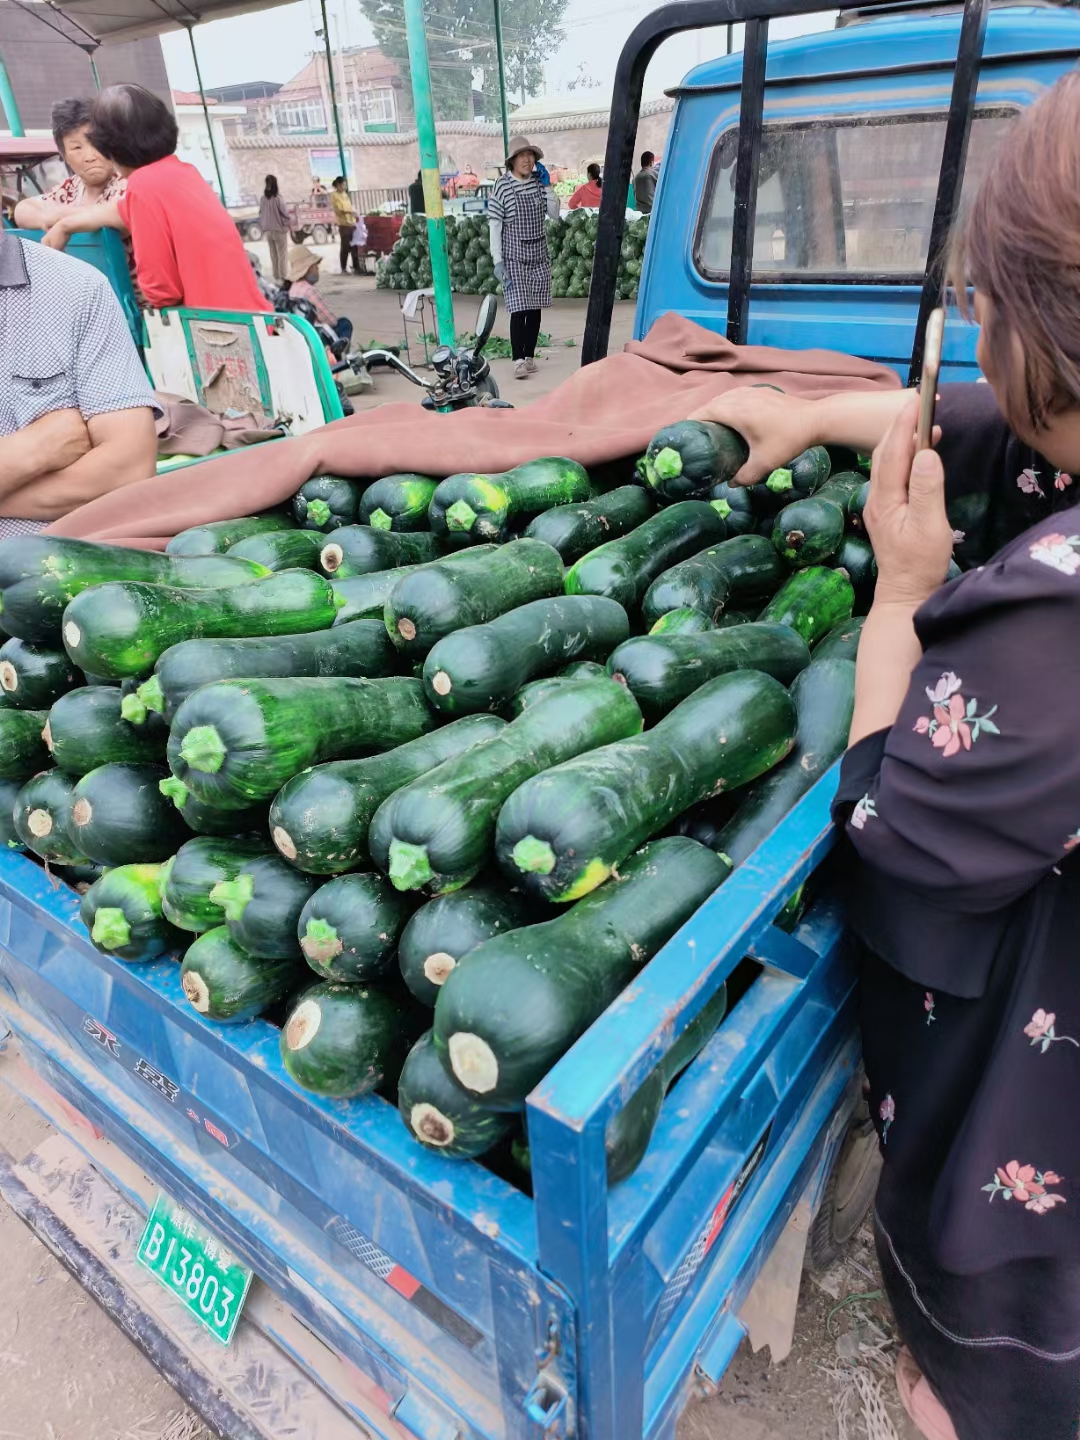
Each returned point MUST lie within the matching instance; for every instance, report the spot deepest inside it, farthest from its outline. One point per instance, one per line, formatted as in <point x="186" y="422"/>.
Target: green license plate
<point x="194" y="1267"/>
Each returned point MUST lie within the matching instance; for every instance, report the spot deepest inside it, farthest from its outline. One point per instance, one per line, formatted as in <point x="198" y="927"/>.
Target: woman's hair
<point x="131" y="126"/>
<point x="593" y="172"/>
<point x="1019" y="246"/>
<point x="271" y="187"/>
<point x="67" y="117"/>
<point x="338" y="180"/>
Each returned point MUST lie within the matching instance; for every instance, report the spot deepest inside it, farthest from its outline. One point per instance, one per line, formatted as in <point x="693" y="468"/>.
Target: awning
<point x="112" y="21"/>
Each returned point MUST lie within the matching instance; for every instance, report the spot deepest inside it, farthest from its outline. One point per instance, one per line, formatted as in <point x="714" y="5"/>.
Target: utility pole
<point x="333" y="93"/>
<point x="502" y="75"/>
<point x="429" y="168"/>
<point x="206" y="114"/>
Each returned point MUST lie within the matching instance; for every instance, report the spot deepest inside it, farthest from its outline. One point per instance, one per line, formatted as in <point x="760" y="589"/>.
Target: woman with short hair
<point x="274" y="222"/>
<point x="520" y="203"/>
<point x="187" y="249"/>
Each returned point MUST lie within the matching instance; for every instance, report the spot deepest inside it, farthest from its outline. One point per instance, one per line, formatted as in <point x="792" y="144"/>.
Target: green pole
<point x="429" y="168"/>
<point x="8" y="101"/>
<point x="94" y="72"/>
<point x="206" y="114"/>
<point x="502" y="75"/>
<point x="333" y="92"/>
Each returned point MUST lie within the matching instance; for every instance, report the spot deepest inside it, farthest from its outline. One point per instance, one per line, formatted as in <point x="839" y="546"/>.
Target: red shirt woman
<point x="187" y="250"/>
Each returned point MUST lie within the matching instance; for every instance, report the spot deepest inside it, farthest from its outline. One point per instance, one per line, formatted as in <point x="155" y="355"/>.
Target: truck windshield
<point x="840" y="199"/>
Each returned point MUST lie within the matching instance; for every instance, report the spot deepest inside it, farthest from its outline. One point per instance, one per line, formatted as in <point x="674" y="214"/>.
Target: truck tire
<point x="298" y="236"/>
<point x="320" y="235"/>
<point x="253" y="230"/>
<point x="849" y="1193"/>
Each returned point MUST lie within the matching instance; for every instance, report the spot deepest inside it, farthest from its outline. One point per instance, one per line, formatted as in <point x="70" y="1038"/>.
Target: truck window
<point x="840" y="199"/>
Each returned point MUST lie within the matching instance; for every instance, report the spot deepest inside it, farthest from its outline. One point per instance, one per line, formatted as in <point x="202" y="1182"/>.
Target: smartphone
<point x="935" y="332"/>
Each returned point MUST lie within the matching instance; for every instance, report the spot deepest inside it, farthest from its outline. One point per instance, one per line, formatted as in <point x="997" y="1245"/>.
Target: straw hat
<point x="301" y="259"/>
<point x="520" y="143"/>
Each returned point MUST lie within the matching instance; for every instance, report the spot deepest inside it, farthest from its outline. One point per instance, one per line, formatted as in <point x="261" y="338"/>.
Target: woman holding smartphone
<point x="960" y="795"/>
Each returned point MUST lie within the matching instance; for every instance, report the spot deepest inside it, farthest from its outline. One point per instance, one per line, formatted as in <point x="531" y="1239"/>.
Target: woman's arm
<point x="79" y="220"/>
<point x="38" y="213"/>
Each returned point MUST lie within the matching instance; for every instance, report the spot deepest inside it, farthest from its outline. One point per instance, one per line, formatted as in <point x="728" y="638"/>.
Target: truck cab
<point x="851" y="147"/>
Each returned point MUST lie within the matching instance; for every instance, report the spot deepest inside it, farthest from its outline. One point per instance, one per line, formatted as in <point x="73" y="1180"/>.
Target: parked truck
<point x="412" y="1297"/>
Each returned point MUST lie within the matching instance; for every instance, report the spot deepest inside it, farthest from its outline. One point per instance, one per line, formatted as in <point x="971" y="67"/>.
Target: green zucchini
<point x="705" y="821"/>
<point x="122" y="912"/>
<point x="223" y="982"/>
<point x="516" y="1003"/>
<point x="685" y="460"/>
<point x="206" y="819"/>
<point x="122" y="628"/>
<point x="808" y="532"/>
<point x="469" y="589"/>
<point x="320" y="819"/>
<point x="362" y="550"/>
<point x="9" y="793"/>
<point x="856" y="506"/>
<point x="812" y="601"/>
<point x="218" y="536"/>
<point x="361" y="648"/>
<point x="86" y="729"/>
<point x="624" y="569"/>
<point x="482" y="666"/>
<point x="364" y="597"/>
<point x="119" y="816"/>
<point x="200" y="864"/>
<point x="326" y="501"/>
<point x="630" y="1130"/>
<point x="444" y="930"/>
<point x="346" y="1040"/>
<point x="239" y="740"/>
<point x="662" y="670"/>
<point x="281" y="549"/>
<point x="349" y="928"/>
<point x="841" y="486"/>
<point x="738" y="568"/>
<point x="802" y="476"/>
<point x="42" y="816"/>
<point x="563" y="832"/>
<point x="440" y="1113"/>
<point x="584" y="670"/>
<point x="262" y="906"/>
<point x="474" y="508"/>
<point x="22" y="749"/>
<point x="536" y="690"/>
<point x="436" y="833"/>
<point x="397" y="502"/>
<point x="41" y="574"/>
<point x="735" y="506"/>
<point x="573" y="530"/>
<point x="33" y="677"/>
<point x="855" y="559"/>
<point x="842" y="641"/>
<point x="683" y="621"/>
<point x="824" y="696"/>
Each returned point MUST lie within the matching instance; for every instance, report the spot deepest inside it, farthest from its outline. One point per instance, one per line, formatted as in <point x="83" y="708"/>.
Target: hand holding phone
<point x="935" y="333"/>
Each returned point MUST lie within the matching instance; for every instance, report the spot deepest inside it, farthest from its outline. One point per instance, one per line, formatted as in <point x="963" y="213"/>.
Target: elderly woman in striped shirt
<point x="520" y="203"/>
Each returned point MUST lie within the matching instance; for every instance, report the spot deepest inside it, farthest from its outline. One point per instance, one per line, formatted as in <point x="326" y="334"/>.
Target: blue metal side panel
<point x="877" y="322"/>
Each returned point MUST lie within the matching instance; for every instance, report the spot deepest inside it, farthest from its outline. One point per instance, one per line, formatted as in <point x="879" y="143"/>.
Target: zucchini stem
<point x="460" y="516"/>
<point x="203" y="749"/>
<point x="174" y="789"/>
<point x="380" y="520"/>
<point x="533" y="855"/>
<point x="111" y="928"/>
<point x="410" y="867"/>
<point x="779" y="481"/>
<point x="667" y="463"/>
<point x="133" y="710"/>
<point x="321" y="942"/>
<point x="151" y="695"/>
<point x="233" y="895"/>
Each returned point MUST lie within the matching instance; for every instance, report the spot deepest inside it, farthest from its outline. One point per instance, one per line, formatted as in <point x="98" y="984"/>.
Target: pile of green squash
<point x="424" y="770"/>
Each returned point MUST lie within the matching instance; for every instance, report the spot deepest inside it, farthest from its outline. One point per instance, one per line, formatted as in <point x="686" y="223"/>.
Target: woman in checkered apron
<point x="519" y="205"/>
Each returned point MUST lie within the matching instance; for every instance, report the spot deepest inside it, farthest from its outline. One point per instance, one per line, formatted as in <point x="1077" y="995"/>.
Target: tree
<point x="461" y="40"/>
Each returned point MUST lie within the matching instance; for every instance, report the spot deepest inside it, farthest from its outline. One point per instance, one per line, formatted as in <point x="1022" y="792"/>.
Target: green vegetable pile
<point x="355" y="761"/>
<point x="571" y="243"/>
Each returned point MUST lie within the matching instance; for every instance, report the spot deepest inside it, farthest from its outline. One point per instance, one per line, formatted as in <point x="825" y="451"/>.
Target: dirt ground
<point x="66" y="1373"/>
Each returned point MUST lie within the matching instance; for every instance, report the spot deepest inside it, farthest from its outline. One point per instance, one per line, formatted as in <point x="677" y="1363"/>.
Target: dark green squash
<point x="624" y="569"/>
<point x="22" y="749"/>
<point x="123" y="914"/>
<point x="444" y="930"/>
<point x="206" y="819"/>
<point x="855" y="559"/>
<point x="563" y="832"/>
<point x="397" y="502"/>
<point x="240" y="740"/>
<point x="812" y="602"/>
<point x="120" y="817"/>
<point x="683" y="621"/>
<point x="262" y="906"/>
<point x="855" y="508"/>
<point x="842" y="641"/>
<point x="281" y="549"/>
<point x="735" y="506"/>
<point x="346" y="1040"/>
<point x="32" y="677"/>
<point x="9" y="793"/>
<point x="320" y="819"/>
<point x="440" y="1113"/>
<point x="218" y="536"/>
<point x="349" y="928"/>
<point x="364" y="597"/>
<point x="685" y="460"/>
<point x="802" y="476"/>
<point x="361" y="550"/>
<point x="42" y="817"/>
<point x="573" y="530"/>
<point x="735" y="570"/>
<point x="471" y="509"/>
<point x="326" y="501"/>
<point x="808" y="532"/>
<point x="223" y="982"/>
<point x="516" y="1003"/>
<point x="86" y="729"/>
<point x="200" y="864"/>
<point x="436" y="833"/>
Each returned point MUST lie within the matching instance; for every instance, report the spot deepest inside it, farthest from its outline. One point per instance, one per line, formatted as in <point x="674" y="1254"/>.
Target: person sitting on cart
<point x="303" y="277"/>
<point x="960" y="795"/>
<point x="587" y="196"/>
<point x="187" y="249"/>
<point x="76" y="408"/>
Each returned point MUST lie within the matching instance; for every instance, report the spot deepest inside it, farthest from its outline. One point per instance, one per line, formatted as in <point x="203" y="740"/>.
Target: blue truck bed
<point x="464" y="1307"/>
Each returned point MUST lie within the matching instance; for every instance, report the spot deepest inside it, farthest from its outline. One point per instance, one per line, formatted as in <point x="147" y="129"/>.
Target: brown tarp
<point x="604" y="412"/>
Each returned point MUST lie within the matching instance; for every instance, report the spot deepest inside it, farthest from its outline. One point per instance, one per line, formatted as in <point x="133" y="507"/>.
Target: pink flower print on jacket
<point x="1060" y="552"/>
<point x="1061" y="480"/>
<point x="1024" y="1183"/>
<point x="887" y="1111"/>
<point x="1040" y="1030"/>
<point x="955" y="723"/>
<point x="930" y="1005"/>
<point x="1028" y="482"/>
<point x="864" y="810"/>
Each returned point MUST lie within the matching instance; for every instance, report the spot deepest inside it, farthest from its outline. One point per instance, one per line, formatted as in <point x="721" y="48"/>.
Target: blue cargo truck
<point x="805" y="193"/>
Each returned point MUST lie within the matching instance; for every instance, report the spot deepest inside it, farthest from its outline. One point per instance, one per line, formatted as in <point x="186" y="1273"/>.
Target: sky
<point x="275" y="44"/>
